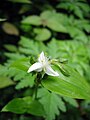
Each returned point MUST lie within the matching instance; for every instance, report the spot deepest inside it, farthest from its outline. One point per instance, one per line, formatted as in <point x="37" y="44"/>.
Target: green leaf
<point x="62" y="69"/>
<point x="22" y="64"/>
<point x="33" y="105"/>
<point x="50" y="46"/>
<point x="17" y="105"/>
<point x="31" y="47"/>
<point x="3" y="70"/>
<point x="11" y="48"/>
<point x="24" y="105"/>
<point x="77" y="33"/>
<point x="56" y="26"/>
<point x="74" y="86"/>
<point x="52" y="103"/>
<point x="78" y="12"/>
<point x="32" y="20"/>
<point x="42" y="34"/>
<point x="25" y="42"/>
<point x="47" y="14"/>
<point x="83" y="6"/>
<point x="25" y="8"/>
<point x="14" y="56"/>
<point x="77" y="7"/>
<point x="14" y="73"/>
<point x="19" y="75"/>
<point x="5" y="82"/>
<point x="71" y="101"/>
<point x="20" y="1"/>
<point x="10" y="28"/>
<point x="27" y="81"/>
<point x="50" y="19"/>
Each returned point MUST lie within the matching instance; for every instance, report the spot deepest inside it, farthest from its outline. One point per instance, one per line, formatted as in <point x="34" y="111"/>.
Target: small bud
<point x="62" y="60"/>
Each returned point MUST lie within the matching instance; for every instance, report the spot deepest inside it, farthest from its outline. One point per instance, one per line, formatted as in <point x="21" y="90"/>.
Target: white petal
<point x="35" y="67"/>
<point x="50" y="71"/>
<point x="41" y="57"/>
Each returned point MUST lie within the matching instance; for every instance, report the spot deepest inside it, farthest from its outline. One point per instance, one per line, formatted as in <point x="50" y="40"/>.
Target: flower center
<point x="44" y="63"/>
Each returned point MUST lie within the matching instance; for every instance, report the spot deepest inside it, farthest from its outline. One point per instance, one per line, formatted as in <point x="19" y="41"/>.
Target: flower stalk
<point x="37" y="82"/>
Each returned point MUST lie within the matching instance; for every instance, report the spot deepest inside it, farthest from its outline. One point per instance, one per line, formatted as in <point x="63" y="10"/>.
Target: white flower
<point x="43" y="64"/>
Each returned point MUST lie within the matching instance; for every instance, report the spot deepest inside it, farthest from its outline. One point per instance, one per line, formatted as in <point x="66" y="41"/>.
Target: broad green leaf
<point x="5" y="82"/>
<point x="32" y="20"/>
<point x="47" y="14"/>
<point x="20" y="1"/>
<point x="51" y="20"/>
<point x="42" y="34"/>
<point x="74" y="86"/>
<point x="56" y="26"/>
<point x="34" y="107"/>
<point x="10" y="28"/>
<point x="17" y="105"/>
<point x="24" y="105"/>
<point x="52" y="103"/>
<point x="22" y="64"/>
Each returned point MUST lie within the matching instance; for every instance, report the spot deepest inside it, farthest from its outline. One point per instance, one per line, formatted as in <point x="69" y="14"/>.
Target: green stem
<point x="37" y="82"/>
<point x="36" y="89"/>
